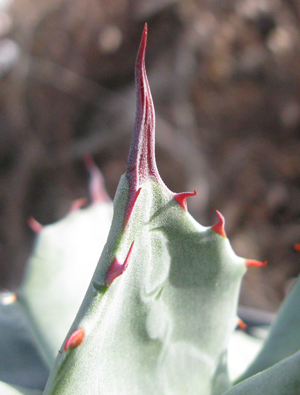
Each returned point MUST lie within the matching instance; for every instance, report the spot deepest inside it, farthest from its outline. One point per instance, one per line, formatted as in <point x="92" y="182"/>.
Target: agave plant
<point x="162" y="303"/>
<point x="161" y="306"/>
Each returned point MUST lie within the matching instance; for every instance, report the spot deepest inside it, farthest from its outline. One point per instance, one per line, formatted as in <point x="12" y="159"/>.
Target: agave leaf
<point x="284" y="336"/>
<point x="61" y="266"/>
<point x="7" y="389"/>
<point x="161" y="306"/>
<point x="20" y="362"/>
<point x="242" y="350"/>
<point x="282" y="378"/>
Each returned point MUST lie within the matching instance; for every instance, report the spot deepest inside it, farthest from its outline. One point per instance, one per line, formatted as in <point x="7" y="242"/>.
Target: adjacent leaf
<point x="281" y="379"/>
<point x="20" y="361"/>
<point x="242" y="350"/>
<point x="61" y="266"/>
<point x="6" y="389"/>
<point x="284" y="336"/>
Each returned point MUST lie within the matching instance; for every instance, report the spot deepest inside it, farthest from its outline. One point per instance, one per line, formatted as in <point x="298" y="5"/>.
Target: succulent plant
<point x="161" y="306"/>
<point x="162" y="303"/>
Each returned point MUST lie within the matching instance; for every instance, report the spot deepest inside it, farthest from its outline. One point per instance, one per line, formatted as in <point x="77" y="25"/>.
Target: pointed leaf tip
<point x="253" y="262"/>
<point x="75" y="339"/>
<point x="181" y="198"/>
<point x="34" y="225"/>
<point x="219" y="227"/>
<point x="116" y="269"/>
<point x="141" y="162"/>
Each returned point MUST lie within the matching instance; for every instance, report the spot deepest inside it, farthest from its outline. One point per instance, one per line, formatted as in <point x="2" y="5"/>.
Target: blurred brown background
<point x="225" y="78"/>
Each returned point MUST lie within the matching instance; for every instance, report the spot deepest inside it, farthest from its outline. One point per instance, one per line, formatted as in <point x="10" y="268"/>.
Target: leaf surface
<point x="161" y="306"/>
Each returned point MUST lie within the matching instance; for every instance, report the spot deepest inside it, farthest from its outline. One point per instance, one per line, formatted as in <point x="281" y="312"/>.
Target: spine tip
<point x="297" y="247"/>
<point x="219" y="227"/>
<point x="253" y="262"/>
<point x="181" y="198"/>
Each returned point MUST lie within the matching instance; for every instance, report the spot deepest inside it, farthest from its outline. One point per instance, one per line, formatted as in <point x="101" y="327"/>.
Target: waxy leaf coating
<point x="162" y="325"/>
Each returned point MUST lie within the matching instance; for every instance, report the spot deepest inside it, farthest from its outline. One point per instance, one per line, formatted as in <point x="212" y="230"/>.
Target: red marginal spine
<point x="219" y="227"/>
<point x="181" y="198"/>
<point x="35" y="225"/>
<point x="130" y="206"/>
<point x="297" y="246"/>
<point x="253" y="262"/>
<point x="77" y="204"/>
<point x="116" y="268"/>
<point x="75" y="339"/>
